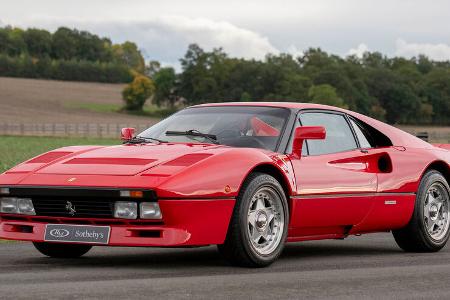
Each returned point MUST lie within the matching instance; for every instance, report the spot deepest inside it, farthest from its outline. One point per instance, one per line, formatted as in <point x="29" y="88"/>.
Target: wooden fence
<point x="112" y="130"/>
<point x="68" y="130"/>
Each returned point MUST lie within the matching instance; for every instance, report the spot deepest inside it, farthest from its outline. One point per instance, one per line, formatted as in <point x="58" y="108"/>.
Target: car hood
<point x="115" y="160"/>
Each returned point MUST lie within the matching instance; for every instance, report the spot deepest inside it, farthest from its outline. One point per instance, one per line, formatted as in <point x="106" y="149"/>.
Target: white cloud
<point x="440" y="52"/>
<point x="359" y="51"/>
<point x="294" y="51"/>
<point x="236" y="41"/>
<point x="167" y="37"/>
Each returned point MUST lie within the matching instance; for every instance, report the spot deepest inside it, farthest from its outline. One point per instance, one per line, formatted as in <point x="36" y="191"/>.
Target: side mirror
<point x="303" y="133"/>
<point x="127" y="134"/>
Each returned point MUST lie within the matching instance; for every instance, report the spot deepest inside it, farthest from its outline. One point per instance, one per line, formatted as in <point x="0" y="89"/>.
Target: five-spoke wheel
<point x="258" y="227"/>
<point x="265" y="222"/>
<point x="436" y="211"/>
<point x="428" y="229"/>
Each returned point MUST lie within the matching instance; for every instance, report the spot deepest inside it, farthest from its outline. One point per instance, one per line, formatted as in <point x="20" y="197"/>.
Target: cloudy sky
<point x="250" y="28"/>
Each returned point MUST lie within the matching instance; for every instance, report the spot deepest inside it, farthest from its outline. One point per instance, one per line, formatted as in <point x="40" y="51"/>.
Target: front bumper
<point x="186" y="222"/>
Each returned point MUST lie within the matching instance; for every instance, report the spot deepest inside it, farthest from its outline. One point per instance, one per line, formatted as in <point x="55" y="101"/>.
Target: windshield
<point x="237" y="126"/>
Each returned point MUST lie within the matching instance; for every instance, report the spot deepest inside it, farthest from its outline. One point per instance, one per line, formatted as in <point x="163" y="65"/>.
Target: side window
<point x="363" y="141"/>
<point x="339" y="135"/>
<point x="368" y="136"/>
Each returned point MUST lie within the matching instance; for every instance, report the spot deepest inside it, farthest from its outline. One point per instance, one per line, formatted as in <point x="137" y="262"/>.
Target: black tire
<point x="415" y="237"/>
<point x="59" y="250"/>
<point x="238" y="249"/>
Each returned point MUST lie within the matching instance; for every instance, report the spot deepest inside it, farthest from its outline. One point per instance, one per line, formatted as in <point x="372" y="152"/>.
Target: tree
<point x="39" y="42"/>
<point x="129" y="54"/>
<point x="165" y="80"/>
<point x="152" y="68"/>
<point x="325" y="94"/>
<point x="64" y="44"/>
<point x="16" y="45"/>
<point x="435" y="88"/>
<point x="137" y="92"/>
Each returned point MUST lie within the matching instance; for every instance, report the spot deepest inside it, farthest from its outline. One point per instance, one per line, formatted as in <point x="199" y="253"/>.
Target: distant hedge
<point x="67" y="54"/>
<point x="74" y="70"/>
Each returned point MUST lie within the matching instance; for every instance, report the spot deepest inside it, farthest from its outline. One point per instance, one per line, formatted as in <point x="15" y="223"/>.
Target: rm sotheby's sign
<point x="77" y="233"/>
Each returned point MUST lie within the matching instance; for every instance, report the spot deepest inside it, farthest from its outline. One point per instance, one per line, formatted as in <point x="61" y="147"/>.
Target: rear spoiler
<point x="443" y="146"/>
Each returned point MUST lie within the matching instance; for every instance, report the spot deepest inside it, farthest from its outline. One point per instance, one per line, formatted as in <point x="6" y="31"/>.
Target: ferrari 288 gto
<point x="247" y="177"/>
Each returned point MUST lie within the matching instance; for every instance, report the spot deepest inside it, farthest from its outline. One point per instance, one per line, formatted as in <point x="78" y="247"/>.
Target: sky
<point x="249" y="28"/>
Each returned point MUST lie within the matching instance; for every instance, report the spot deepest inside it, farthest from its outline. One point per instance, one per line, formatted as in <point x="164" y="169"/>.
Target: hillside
<point x="32" y="101"/>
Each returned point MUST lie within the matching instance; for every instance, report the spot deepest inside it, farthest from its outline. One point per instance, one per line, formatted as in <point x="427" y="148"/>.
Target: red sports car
<point x="247" y="177"/>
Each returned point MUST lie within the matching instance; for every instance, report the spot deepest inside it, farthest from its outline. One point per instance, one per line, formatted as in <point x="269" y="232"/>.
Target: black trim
<point x="76" y="191"/>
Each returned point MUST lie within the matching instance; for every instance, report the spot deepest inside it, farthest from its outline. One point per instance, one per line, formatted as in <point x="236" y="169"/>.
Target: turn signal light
<point x="132" y="194"/>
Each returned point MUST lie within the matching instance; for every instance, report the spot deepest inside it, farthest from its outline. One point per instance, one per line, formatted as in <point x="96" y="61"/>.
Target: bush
<point x="137" y="92"/>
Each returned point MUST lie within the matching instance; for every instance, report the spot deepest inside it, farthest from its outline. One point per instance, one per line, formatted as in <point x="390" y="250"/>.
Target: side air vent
<point x="187" y="160"/>
<point x="48" y="157"/>
<point x="385" y="164"/>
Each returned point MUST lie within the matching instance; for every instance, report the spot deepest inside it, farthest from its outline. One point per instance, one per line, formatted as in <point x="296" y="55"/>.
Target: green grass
<point x="16" y="149"/>
<point x="5" y="241"/>
<point x="95" y="107"/>
<point x="148" y="111"/>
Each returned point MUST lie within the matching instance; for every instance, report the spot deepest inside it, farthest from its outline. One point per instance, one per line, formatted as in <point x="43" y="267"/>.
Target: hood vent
<point x="48" y="157"/>
<point x="187" y="160"/>
<point x="110" y="161"/>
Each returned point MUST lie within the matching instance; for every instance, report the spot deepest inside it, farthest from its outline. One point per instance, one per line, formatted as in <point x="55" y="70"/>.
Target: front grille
<point x="75" y="202"/>
<point x="73" y="207"/>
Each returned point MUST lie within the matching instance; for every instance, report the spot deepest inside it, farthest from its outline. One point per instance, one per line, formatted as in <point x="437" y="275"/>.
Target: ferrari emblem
<point x="70" y="208"/>
<point x="71" y="179"/>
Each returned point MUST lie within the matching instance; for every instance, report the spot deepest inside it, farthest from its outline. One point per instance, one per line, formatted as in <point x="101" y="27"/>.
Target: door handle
<point x="364" y="151"/>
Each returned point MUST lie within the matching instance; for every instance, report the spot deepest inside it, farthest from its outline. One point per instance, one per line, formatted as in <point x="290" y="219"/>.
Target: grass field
<point x="14" y="149"/>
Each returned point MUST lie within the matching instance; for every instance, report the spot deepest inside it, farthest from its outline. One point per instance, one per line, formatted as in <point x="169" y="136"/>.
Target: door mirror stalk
<point x="303" y="133"/>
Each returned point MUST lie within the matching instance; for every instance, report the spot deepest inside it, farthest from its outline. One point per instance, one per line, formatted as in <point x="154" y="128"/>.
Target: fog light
<point x="10" y="205"/>
<point x="150" y="210"/>
<point x="125" y="210"/>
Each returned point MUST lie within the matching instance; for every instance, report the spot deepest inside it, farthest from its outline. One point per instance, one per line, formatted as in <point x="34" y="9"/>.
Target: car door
<point x="335" y="182"/>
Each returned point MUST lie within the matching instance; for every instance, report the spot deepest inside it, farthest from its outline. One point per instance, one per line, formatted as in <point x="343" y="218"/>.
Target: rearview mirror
<point x="303" y="133"/>
<point x="127" y="134"/>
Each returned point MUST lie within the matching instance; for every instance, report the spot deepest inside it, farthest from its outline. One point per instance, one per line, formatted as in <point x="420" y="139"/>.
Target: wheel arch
<point x="440" y="166"/>
<point x="278" y="174"/>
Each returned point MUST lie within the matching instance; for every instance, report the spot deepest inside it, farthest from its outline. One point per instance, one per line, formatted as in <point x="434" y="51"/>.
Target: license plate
<point x="77" y="233"/>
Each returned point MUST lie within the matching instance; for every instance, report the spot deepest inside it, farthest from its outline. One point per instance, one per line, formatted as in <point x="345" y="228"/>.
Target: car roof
<point x="294" y="105"/>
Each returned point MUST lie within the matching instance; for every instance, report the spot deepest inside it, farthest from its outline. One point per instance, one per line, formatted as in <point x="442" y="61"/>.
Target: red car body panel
<point x="330" y="196"/>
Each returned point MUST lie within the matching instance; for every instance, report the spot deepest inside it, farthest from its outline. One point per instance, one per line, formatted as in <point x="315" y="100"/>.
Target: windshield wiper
<point x="141" y="140"/>
<point x="211" y="137"/>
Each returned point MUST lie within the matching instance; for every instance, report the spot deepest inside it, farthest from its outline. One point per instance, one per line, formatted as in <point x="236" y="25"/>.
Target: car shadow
<point x="207" y="260"/>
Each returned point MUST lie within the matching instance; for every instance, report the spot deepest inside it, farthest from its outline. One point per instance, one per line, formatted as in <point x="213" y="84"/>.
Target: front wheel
<point x="428" y="230"/>
<point x="62" y="250"/>
<point x="258" y="227"/>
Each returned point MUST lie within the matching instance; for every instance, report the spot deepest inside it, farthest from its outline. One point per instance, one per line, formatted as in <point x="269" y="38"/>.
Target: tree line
<point x="396" y="90"/>
<point x="66" y="54"/>
<point x="392" y="89"/>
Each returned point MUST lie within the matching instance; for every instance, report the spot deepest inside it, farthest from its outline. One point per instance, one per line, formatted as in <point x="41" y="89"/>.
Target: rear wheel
<point x="428" y="230"/>
<point x="258" y="227"/>
<point x="62" y="250"/>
